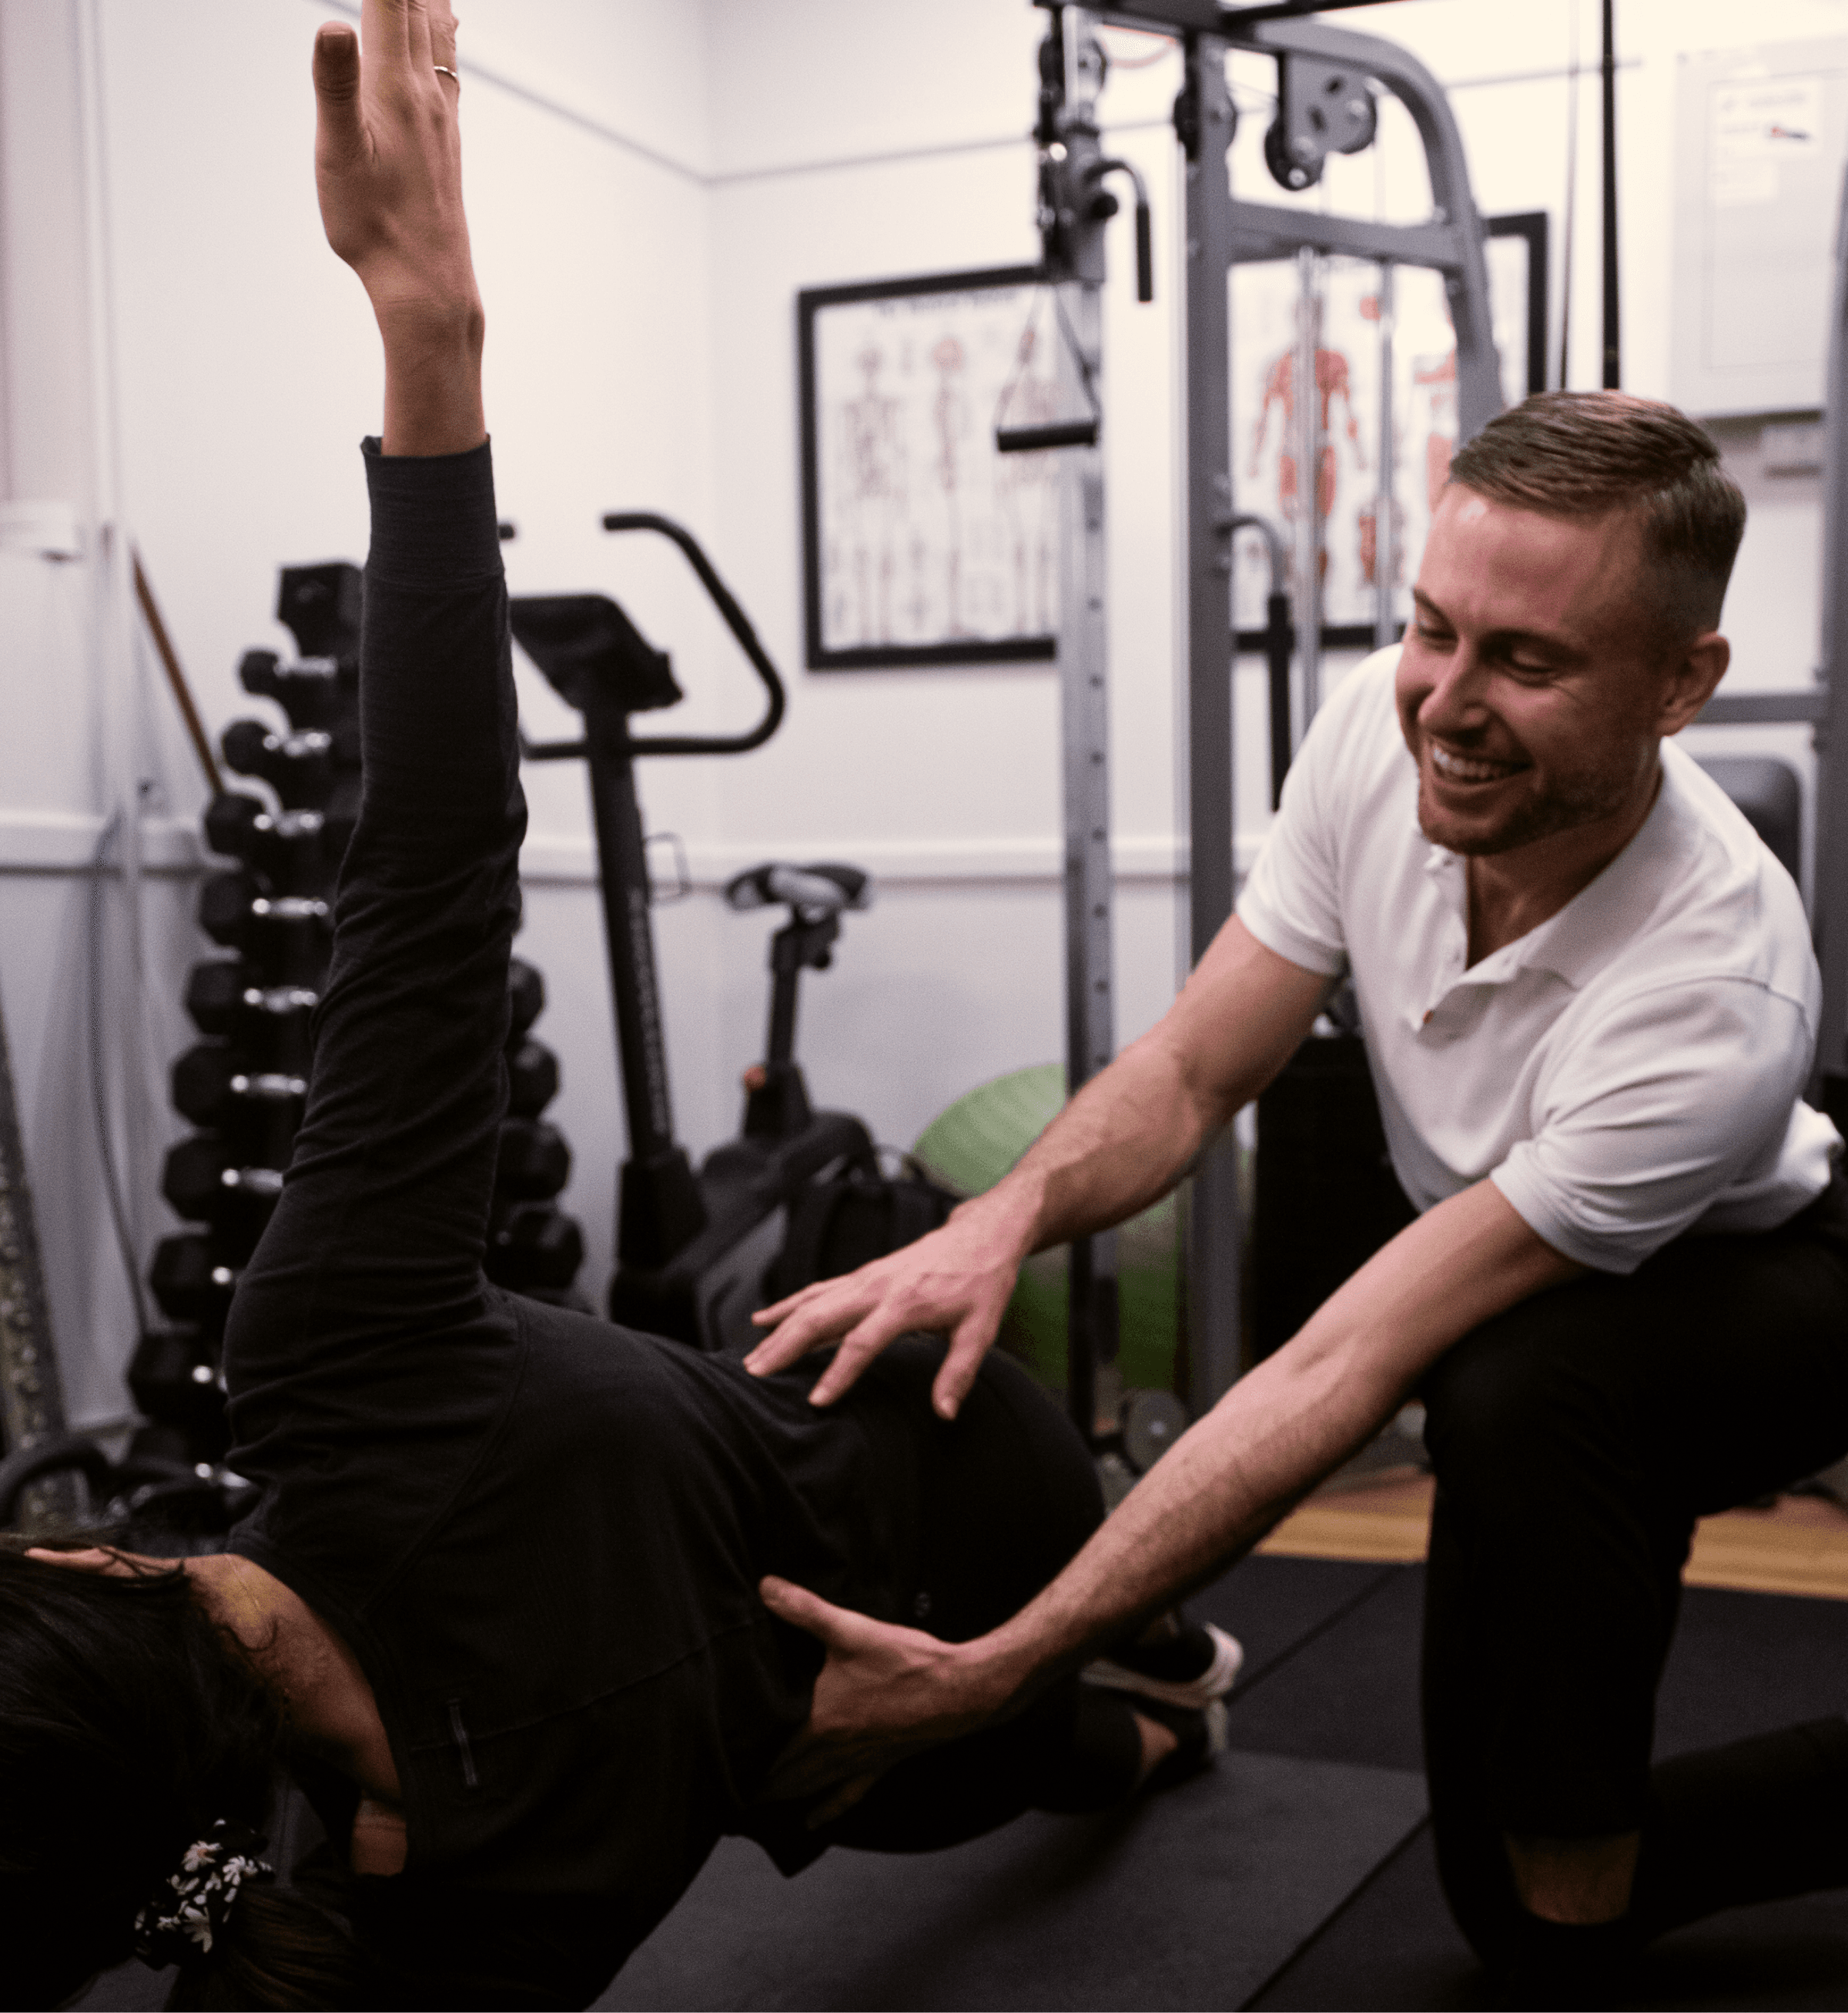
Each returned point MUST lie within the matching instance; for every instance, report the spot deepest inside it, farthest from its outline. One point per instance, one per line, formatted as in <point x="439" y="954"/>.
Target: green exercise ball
<point x="971" y="1145"/>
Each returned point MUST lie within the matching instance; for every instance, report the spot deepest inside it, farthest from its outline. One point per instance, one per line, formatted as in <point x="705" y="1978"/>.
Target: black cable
<point x="112" y="1178"/>
<point x="1570" y="236"/>
<point x="1613" y="376"/>
<point x="1086" y="383"/>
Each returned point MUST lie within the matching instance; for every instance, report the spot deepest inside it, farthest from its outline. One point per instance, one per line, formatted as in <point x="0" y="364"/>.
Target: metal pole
<point x="1085" y="725"/>
<point x="1829" y="881"/>
<point x="1215" y="1222"/>
<point x="1090" y="1026"/>
<point x="1307" y="445"/>
<point x="1385" y="552"/>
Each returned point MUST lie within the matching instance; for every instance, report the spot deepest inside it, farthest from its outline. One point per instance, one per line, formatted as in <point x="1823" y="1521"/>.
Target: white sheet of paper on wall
<point x="1760" y="137"/>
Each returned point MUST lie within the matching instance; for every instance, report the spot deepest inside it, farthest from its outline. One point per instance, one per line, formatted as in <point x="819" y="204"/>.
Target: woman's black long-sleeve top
<point x="540" y="1535"/>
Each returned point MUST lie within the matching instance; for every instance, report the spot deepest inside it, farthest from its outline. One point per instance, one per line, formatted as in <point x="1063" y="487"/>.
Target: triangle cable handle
<point x="1056" y="432"/>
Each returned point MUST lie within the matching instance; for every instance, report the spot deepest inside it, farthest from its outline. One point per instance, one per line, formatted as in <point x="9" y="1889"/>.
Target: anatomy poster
<point x="925" y="545"/>
<point x="1268" y="307"/>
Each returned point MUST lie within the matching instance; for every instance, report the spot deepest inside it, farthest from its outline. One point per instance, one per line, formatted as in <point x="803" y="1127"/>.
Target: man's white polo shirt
<point x="1629" y="1070"/>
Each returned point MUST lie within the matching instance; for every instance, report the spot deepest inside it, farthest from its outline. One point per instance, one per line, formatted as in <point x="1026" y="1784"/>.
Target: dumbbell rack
<point x="244" y="1085"/>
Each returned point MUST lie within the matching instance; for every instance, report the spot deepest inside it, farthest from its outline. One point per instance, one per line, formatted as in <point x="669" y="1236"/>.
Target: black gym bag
<point x="838" y="1225"/>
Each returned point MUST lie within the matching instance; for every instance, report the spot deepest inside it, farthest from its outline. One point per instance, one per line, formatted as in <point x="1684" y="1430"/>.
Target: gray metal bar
<point x="1273" y="231"/>
<point x="1385" y="532"/>
<point x="1207" y="14"/>
<point x="1306" y="446"/>
<point x="1075" y="260"/>
<point x="1762" y="708"/>
<point x="1830" y="908"/>
<point x="1090" y="962"/>
<point x="1215" y="1220"/>
<point x="1478" y="381"/>
<point x="1221" y="232"/>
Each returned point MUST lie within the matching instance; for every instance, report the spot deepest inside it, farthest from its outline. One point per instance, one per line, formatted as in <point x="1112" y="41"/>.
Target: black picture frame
<point x="1534" y="226"/>
<point x="821" y="653"/>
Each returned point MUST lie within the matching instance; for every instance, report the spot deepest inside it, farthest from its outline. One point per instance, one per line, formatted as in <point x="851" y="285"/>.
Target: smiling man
<point x="1590" y="1003"/>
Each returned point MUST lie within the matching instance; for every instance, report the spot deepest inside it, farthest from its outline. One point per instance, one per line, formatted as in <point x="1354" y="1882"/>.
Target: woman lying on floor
<point x="497" y="1612"/>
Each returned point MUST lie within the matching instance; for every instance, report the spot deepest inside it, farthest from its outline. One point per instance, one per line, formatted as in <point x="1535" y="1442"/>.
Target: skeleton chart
<point x="926" y="545"/>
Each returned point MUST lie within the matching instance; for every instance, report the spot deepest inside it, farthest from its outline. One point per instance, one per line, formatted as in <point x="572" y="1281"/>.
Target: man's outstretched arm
<point x="885" y="1692"/>
<point x="1127" y="1138"/>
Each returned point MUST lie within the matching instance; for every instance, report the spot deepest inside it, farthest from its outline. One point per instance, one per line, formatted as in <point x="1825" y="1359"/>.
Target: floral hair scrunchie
<point x="189" y="1908"/>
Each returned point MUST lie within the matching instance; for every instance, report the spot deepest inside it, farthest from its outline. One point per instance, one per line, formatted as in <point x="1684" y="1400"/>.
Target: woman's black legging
<point x="1009" y="1493"/>
<point x="1576" y="1439"/>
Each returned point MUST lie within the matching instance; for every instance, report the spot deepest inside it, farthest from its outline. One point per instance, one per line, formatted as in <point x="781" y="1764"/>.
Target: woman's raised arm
<point x="388" y="169"/>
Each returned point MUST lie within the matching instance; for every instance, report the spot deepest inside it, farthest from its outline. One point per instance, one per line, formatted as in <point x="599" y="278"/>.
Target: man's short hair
<point x="1583" y="454"/>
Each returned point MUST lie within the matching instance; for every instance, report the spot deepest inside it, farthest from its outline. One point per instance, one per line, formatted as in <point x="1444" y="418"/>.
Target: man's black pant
<point x="1575" y="1439"/>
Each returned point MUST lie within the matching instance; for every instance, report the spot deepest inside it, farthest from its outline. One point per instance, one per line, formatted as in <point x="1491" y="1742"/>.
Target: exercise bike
<point x="692" y="1248"/>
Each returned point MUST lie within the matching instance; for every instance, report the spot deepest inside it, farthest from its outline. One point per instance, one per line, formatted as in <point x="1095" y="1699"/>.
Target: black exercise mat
<point x="1393" y="1946"/>
<point x="1274" y="1606"/>
<point x="1742" y="1663"/>
<point x="1347" y="1688"/>
<point x="1193" y="1899"/>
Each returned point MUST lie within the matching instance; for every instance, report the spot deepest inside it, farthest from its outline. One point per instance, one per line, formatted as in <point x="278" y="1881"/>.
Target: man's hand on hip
<point x="885" y="1692"/>
<point x="956" y="1282"/>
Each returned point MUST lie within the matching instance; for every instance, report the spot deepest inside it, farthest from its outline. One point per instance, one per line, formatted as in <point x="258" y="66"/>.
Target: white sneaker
<point x="1190" y="1669"/>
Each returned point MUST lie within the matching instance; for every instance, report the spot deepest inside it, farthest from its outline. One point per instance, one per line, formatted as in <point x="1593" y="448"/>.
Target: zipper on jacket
<point x="460" y="1734"/>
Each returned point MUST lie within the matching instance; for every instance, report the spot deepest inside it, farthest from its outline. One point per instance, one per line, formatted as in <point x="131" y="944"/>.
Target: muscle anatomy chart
<point x="1267" y="311"/>
<point x="925" y="537"/>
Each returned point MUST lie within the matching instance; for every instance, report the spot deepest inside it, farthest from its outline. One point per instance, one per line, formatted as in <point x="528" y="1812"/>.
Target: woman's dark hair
<point x="128" y="1724"/>
<point x="1581" y="454"/>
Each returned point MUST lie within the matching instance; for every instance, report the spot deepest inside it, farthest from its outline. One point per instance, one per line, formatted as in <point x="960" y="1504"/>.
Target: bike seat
<point x="823" y="888"/>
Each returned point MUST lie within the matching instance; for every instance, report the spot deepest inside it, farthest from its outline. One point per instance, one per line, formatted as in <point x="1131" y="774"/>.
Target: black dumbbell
<point x="534" y="1244"/>
<point x="320" y="607"/>
<point x="229" y="820"/>
<point x="156" y="1445"/>
<point x="298" y="766"/>
<point x="286" y="848"/>
<point x="174" y="1379"/>
<point x="270" y="1024"/>
<point x="526" y="997"/>
<point x="533" y="1162"/>
<point x="224" y="905"/>
<point x="308" y="689"/>
<point x="215" y="992"/>
<point x="192" y="1280"/>
<point x="532" y="1078"/>
<point x="285" y="937"/>
<point x="204" y="1181"/>
<point x="215" y="1086"/>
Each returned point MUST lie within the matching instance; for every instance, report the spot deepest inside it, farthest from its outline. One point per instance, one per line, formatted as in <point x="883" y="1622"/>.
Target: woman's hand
<point x="387" y="164"/>
<point x="884" y="1693"/>
<point x="956" y="1282"/>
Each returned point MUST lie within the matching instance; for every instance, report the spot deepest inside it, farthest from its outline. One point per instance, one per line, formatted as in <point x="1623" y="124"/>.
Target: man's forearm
<point x="1134" y="1130"/>
<point x="1274" y="1435"/>
<point x="1127" y="1138"/>
<point x="1209" y="1499"/>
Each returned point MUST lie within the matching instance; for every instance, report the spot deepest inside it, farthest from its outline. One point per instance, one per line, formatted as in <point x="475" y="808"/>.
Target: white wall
<point x="245" y="371"/>
<point x="651" y="182"/>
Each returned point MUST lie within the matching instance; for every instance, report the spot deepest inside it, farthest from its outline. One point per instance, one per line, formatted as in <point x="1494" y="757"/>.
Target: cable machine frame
<point x="1222" y="230"/>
